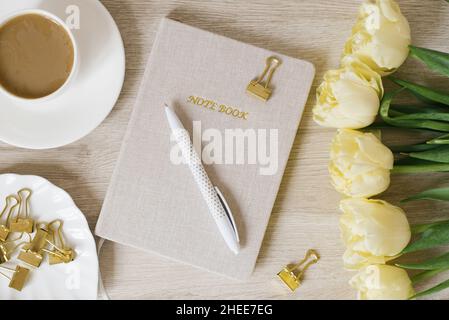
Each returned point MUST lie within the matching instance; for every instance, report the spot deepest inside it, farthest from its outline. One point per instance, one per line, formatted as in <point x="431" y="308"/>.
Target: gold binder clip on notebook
<point x="22" y="222"/>
<point x="259" y="88"/>
<point x="18" y="278"/>
<point x="293" y="274"/>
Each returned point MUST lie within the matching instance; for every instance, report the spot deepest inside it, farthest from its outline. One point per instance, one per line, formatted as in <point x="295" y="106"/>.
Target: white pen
<point x="216" y="203"/>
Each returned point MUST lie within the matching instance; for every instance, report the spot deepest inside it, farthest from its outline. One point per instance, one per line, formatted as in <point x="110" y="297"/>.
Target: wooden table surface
<point x="305" y="214"/>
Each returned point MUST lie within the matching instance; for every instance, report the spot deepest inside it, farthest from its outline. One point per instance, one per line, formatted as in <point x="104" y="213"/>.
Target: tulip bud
<point x="348" y="97"/>
<point x="374" y="231"/>
<point x="380" y="37"/>
<point x="360" y="164"/>
<point x="382" y="282"/>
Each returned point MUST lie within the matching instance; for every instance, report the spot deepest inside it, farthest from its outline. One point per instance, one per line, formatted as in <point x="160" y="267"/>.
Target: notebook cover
<point x="154" y="204"/>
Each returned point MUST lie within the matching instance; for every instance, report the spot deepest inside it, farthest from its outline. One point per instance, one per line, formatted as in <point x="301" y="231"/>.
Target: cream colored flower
<point x="360" y="164"/>
<point x="382" y="282"/>
<point x="380" y="37"/>
<point x="348" y="97"/>
<point x="373" y="231"/>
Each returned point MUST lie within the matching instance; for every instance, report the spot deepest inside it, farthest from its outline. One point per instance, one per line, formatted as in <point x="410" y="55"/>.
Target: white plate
<point x="75" y="280"/>
<point x="91" y="96"/>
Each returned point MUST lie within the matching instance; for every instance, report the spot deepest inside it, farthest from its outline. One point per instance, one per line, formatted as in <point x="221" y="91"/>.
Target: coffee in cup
<point x="37" y="55"/>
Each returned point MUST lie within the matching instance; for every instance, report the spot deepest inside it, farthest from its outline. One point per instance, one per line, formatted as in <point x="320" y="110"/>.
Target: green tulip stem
<point x="420" y="168"/>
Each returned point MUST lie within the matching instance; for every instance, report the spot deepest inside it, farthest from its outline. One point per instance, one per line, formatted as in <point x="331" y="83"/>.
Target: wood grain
<point x="305" y="215"/>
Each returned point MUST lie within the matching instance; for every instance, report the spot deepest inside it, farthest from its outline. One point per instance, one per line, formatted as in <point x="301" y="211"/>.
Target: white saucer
<point x="91" y="96"/>
<point x="75" y="280"/>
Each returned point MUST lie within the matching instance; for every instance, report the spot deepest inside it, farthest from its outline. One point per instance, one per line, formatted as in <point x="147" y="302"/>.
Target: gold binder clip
<point x="11" y="204"/>
<point x="257" y="88"/>
<point x="5" y="251"/>
<point x="18" y="278"/>
<point x="292" y="274"/>
<point x="22" y="222"/>
<point x="31" y="252"/>
<point x="60" y="253"/>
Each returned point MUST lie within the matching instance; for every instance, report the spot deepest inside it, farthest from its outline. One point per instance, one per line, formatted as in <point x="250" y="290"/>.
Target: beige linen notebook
<point x="153" y="203"/>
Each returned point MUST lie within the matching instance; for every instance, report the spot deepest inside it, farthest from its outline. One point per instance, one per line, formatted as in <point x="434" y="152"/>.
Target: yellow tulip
<point x="373" y="231"/>
<point x="348" y="97"/>
<point x="360" y="164"/>
<point x="380" y="37"/>
<point x="382" y="282"/>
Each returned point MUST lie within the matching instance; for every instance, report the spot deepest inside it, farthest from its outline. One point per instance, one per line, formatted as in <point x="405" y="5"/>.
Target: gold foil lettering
<point x="215" y="106"/>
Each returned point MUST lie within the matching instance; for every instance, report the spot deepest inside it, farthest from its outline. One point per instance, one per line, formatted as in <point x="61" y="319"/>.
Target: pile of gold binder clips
<point x="41" y="239"/>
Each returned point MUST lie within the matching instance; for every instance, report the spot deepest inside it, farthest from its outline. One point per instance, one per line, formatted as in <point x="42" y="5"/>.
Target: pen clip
<point x="228" y="212"/>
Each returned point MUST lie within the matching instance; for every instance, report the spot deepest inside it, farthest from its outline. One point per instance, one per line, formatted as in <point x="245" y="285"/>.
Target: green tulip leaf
<point x="410" y="165"/>
<point x="435" y="60"/>
<point x="406" y="123"/>
<point x="444" y="139"/>
<point x="413" y="148"/>
<point x="424" y="116"/>
<point x="424" y="93"/>
<point x="440" y="154"/>
<point x="420" y="228"/>
<point x="420" y="277"/>
<point x="411" y="161"/>
<point x="440" y="262"/>
<point x="434" y="236"/>
<point x="441" y="194"/>
<point x="378" y="125"/>
<point x="443" y="285"/>
<point x="424" y="108"/>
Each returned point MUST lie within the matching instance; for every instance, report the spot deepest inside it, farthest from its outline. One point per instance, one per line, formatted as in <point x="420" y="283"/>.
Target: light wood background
<point x="305" y="215"/>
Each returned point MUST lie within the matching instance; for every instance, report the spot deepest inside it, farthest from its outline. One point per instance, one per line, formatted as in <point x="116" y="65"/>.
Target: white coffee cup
<point x="73" y="72"/>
